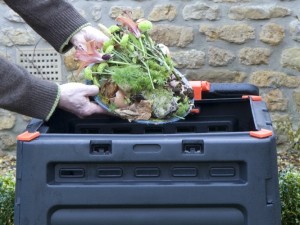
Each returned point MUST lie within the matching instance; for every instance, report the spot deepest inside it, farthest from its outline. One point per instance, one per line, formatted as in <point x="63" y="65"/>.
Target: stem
<point x="142" y="45"/>
<point x="102" y="73"/>
<point x="120" y="56"/>
<point x="164" y="62"/>
<point x="115" y="39"/>
<point x="148" y="38"/>
<point x="158" y="56"/>
<point x="117" y="62"/>
<point x="149" y="74"/>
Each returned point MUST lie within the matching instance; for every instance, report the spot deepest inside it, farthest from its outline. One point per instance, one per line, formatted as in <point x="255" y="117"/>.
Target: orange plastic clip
<point x="27" y="136"/>
<point x="263" y="133"/>
<point x="253" y="97"/>
<point x="195" y="110"/>
<point x="199" y="87"/>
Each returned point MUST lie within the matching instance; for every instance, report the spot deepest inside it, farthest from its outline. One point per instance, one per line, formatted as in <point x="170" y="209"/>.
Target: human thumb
<point x="91" y="90"/>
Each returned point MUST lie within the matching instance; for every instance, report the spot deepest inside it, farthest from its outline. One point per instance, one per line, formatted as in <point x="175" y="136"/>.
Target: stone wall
<point x="247" y="41"/>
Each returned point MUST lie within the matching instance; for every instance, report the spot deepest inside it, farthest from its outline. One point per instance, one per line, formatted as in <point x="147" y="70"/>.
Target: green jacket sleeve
<point x="25" y="94"/>
<point x="54" y="20"/>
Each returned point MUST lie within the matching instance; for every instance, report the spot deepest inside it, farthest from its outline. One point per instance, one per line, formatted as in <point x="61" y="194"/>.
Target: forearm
<point x="25" y="94"/>
<point x="55" y="20"/>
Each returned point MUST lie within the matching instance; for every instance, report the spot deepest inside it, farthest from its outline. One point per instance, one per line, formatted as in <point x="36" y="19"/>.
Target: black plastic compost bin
<point x="218" y="166"/>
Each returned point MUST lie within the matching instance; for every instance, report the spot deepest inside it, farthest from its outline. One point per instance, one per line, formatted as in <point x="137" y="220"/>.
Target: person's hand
<point x="87" y="34"/>
<point x="74" y="98"/>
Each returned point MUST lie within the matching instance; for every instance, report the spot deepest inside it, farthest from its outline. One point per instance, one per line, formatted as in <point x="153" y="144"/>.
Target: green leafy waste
<point x="136" y="77"/>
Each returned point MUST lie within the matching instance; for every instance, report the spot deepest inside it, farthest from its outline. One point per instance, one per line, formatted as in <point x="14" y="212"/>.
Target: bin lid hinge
<point x="28" y="136"/>
<point x="199" y="87"/>
<point x="253" y="97"/>
<point x="195" y="110"/>
<point x="263" y="133"/>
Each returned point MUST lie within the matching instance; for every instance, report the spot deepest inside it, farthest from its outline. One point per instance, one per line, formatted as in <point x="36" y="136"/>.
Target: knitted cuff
<point x="55" y="104"/>
<point x="67" y="45"/>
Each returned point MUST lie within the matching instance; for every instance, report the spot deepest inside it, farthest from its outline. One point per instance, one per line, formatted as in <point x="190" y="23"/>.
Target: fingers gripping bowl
<point x="136" y="77"/>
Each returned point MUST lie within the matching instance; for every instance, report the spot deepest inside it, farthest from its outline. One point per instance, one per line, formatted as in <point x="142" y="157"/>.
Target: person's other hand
<point x="74" y="98"/>
<point x="87" y="34"/>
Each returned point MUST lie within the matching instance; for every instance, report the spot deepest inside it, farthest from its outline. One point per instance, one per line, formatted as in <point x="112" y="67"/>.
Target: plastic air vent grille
<point x="42" y="63"/>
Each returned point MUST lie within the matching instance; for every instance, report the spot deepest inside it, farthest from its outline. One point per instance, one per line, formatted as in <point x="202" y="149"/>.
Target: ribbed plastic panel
<point x="42" y="63"/>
